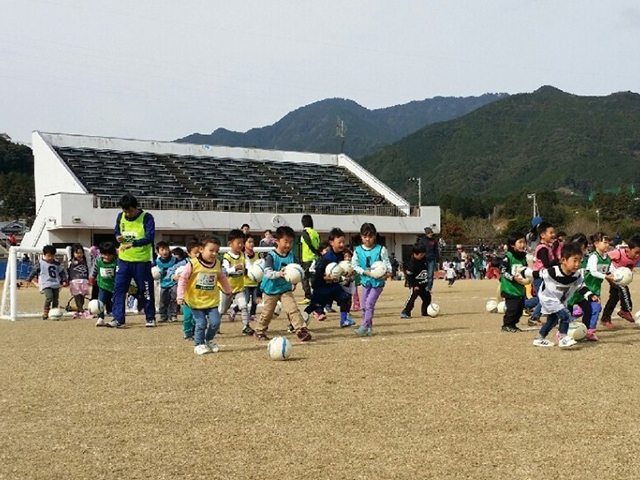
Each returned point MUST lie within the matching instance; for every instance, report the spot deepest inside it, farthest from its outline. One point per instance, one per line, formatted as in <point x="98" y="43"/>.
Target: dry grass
<point x="451" y="397"/>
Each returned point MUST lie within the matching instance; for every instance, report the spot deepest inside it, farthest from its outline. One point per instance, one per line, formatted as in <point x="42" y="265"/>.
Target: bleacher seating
<point x="106" y="173"/>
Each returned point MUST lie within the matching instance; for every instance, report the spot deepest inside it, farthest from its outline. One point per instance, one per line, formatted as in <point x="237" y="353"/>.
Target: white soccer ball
<point x="516" y="270"/>
<point x="378" y="269"/>
<point x="492" y="306"/>
<point x="577" y="331"/>
<point x="333" y="270"/>
<point x="293" y="273"/>
<point x="155" y="272"/>
<point x="96" y="307"/>
<point x="56" y="314"/>
<point x="501" y="307"/>
<point x="279" y="348"/>
<point x="636" y="317"/>
<point x="256" y="272"/>
<point x="179" y="270"/>
<point x="433" y="310"/>
<point x="622" y="276"/>
<point x="346" y="267"/>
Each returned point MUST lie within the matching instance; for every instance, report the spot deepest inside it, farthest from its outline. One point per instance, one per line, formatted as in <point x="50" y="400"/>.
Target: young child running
<point x="104" y="276"/>
<point x="275" y="288"/>
<point x="365" y="255"/>
<point x="560" y="282"/>
<point x="417" y="276"/>
<point x="511" y="284"/>
<point x="168" y="286"/>
<point x="251" y="288"/>
<point x="545" y="257"/>
<point x="621" y="257"/>
<point x="233" y="263"/>
<point x="327" y="289"/>
<point x="50" y="277"/>
<point x="597" y="268"/>
<point x="78" y="274"/>
<point x="198" y="288"/>
<point x="193" y="249"/>
<point x="450" y="273"/>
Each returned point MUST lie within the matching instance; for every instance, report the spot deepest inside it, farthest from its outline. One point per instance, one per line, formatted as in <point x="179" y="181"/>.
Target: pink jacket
<point x="620" y="258"/>
<point x="537" y="265"/>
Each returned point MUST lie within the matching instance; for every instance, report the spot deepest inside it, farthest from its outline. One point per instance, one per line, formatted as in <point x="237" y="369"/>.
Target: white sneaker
<point x="100" y="323"/>
<point x="201" y="349"/>
<point x="566" y="342"/>
<point x="213" y="346"/>
<point x="543" y="342"/>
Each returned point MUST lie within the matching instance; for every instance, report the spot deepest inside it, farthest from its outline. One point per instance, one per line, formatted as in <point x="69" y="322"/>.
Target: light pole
<point x="418" y="180"/>
<point x="532" y="196"/>
<point x="598" y="219"/>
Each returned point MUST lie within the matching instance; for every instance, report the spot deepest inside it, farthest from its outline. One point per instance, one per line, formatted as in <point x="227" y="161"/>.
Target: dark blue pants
<point x="563" y="317"/>
<point x="106" y="297"/>
<point x="326" y="295"/>
<point x="140" y="272"/>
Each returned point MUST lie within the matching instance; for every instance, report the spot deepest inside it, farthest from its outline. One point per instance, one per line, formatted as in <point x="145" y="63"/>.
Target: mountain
<point x="312" y="128"/>
<point x="543" y="140"/>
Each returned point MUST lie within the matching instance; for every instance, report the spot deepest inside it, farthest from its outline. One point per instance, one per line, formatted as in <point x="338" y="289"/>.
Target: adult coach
<point x="135" y="231"/>
<point x="431" y="255"/>
<point x="310" y="241"/>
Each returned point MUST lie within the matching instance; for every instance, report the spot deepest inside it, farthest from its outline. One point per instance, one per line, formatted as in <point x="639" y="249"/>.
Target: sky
<point x="160" y="69"/>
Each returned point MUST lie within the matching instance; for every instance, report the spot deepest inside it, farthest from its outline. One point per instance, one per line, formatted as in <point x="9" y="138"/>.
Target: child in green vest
<point x="104" y="275"/>
<point x="511" y="284"/>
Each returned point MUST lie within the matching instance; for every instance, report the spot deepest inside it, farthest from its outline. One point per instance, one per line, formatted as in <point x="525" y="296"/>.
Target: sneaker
<point x="164" y="320"/>
<point x="247" y="330"/>
<point x="75" y="315"/>
<point x="114" y="324"/>
<point x="607" y="323"/>
<point x="405" y="315"/>
<point x="150" y="323"/>
<point x="348" y="322"/>
<point x="363" y="331"/>
<point x="291" y="329"/>
<point x="534" y="323"/>
<point x="261" y="336"/>
<point x="626" y="315"/>
<point x="187" y="337"/>
<point x="591" y="335"/>
<point x="320" y="317"/>
<point x="329" y="309"/>
<point x="201" y="349"/>
<point x="304" y="301"/>
<point x="45" y="315"/>
<point x="173" y="319"/>
<point x="303" y="335"/>
<point x="567" y="342"/>
<point x="527" y="312"/>
<point x="101" y="323"/>
<point x="213" y="346"/>
<point x="543" y="342"/>
<point x="511" y="329"/>
<point x="232" y="316"/>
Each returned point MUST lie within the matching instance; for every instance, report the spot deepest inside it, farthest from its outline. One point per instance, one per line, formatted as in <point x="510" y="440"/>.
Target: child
<point x="168" y="286"/>
<point x="326" y="289"/>
<point x="51" y="276"/>
<point x="597" y="267"/>
<point x="233" y="263"/>
<point x="559" y="284"/>
<point x="512" y="285"/>
<point x="545" y="257"/>
<point x="274" y="287"/>
<point x="198" y="287"/>
<point x="365" y="255"/>
<point x="193" y="249"/>
<point x="104" y="276"/>
<point x="250" y="287"/>
<point x="621" y="257"/>
<point x="417" y="275"/>
<point x="78" y="274"/>
<point x="450" y="273"/>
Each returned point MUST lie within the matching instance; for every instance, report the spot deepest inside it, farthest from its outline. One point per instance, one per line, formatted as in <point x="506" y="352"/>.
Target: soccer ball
<point x="179" y="270"/>
<point x="333" y="270"/>
<point x="279" y="348"/>
<point x="256" y="272"/>
<point x="636" y="317"/>
<point x="622" y="276"/>
<point x="346" y="267"/>
<point x="378" y="269"/>
<point x="433" y="310"/>
<point x="55" y="314"/>
<point x="492" y="306"/>
<point x="293" y="273"/>
<point x="577" y="331"/>
<point x="155" y="272"/>
<point x="501" y="307"/>
<point x="96" y="307"/>
<point x="516" y="270"/>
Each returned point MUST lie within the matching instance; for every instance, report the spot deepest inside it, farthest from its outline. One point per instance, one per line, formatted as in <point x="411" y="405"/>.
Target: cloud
<point x="631" y="17"/>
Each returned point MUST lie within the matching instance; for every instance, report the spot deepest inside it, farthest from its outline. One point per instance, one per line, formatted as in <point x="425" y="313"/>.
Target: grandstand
<point x="195" y="188"/>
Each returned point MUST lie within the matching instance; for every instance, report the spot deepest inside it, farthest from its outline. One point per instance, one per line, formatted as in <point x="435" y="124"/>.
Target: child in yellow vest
<point x="198" y="287"/>
<point x="233" y="264"/>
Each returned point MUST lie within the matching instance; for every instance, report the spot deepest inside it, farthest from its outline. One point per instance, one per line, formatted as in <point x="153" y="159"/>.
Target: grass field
<point x="450" y="397"/>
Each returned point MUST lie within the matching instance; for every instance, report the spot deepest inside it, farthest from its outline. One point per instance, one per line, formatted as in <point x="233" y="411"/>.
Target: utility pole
<point x="418" y="180"/>
<point x="341" y="130"/>
<point x="532" y="196"/>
